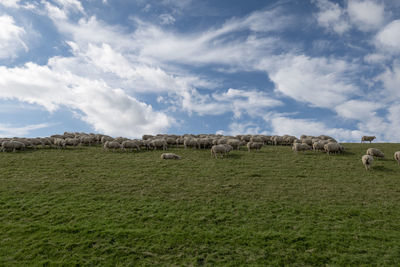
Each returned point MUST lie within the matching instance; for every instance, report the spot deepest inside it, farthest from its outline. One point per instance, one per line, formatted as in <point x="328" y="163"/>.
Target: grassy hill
<point x="272" y="207"/>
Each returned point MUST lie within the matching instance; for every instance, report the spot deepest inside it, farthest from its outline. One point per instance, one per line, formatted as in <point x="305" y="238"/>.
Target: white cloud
<point x="10" y="3"/>
<point x="108" y="110"/>
<point x="8" y="130"/>
<point x="11" y="38"/>
<point x="331" y="16"/>
<point x="388" y="39"/>
<point x="236" y="128"/>
<point x="320" y="82"/>
<point x="285" y="125"/>
<point x="391" y="80"/>
<point x="366" y="14"/>
<point x="167" y="19"/>
<point x="358" y="109"/>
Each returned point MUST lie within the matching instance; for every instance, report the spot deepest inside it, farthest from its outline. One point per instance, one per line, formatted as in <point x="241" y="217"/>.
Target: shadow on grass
<point x="383" y="169"/>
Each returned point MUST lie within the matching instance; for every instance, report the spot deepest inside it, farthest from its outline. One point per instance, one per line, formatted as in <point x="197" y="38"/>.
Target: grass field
<point x="274" y="207"/>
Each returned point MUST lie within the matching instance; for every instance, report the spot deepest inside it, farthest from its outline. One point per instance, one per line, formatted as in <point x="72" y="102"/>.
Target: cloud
<point x="388" y="39"/>
<point x="236" y="128"/>
<point x="331" y="16"/>
<point x="8" y="130"/>
<point x="358" y="109"/>
<point x="366" y="14"/>
<point x="285" y="125"/>
<point x="321" y="82"/>
<point x="390" y="79"/>
<point x="166" y="19"/>
<point x="11" y="38"/>
<point x="106" y="109"/>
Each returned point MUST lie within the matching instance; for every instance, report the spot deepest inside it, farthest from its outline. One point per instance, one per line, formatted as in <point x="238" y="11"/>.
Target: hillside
<point x="90" y="207"/>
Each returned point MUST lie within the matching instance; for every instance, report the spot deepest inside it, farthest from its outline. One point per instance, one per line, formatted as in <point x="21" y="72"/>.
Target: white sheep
<point x="111" y="144"/>
<point x="301" y="147"/>
<point x="375" y="153"/>
<point x="254" y="145"/>
<point x="12" y="145"/>
<point x="397" y="156"/>
<point x="170" y="156"/>
<point x="367" y="138"/>
<point x="130" y="144"/>
<point x="367" y="161"/>
<point x="333" y="147"/>
<point x="235" y="143"/>
<point x="222" y="149"/>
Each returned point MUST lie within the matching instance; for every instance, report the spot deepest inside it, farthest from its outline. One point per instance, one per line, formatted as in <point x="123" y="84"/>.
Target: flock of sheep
<point x="219" y="145"/>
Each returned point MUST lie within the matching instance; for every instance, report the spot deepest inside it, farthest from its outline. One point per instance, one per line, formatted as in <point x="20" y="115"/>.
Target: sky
<point x="128" y="68"/>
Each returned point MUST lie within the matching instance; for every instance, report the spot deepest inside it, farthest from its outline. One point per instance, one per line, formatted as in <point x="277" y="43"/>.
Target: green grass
<point x="83" y="206"/>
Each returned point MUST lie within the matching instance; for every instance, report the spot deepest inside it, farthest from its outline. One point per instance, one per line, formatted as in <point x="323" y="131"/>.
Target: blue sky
<point x="128" y="68"/>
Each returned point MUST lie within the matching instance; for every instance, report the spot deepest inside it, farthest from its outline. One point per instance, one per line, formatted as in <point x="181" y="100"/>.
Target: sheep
<point x="170" y="156"/>
<point x="375" y="153"/>
<point x="87" y="140"/>
<point x="222" y="149"/>
<point x="60" y="143"/>
<point x="235" y="143"/>
<point x="332" y="147"/>
<point x="130" y="145"/>
<point x="301" y="147"/>
<point x="190" y="142"/>
<point x="307" y="141"/>
<point x="205" y="142"/>
<point x="12" y="145"/>
<point x="367" y="161"/>
<point x="367" y="138"/>
<point x="72" y="141"/>
<point x="397" y="156"/>
<point x="111" y="144"/>
<point x="106" y="138"/>
<point x="319" y="145"/>
<point x="254" y="145"/>
<point x="158" y="143"/>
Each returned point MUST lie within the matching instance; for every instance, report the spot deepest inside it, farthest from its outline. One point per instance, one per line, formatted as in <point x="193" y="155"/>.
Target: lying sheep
<point x="367" y="161"/>
<point x="254" y="145"/>
<point x="397" y="156"/>
<point x="367" y="138"/>
<point x="375" y="153"/>
<point x="170" y="156"/>
<point x="222" y="149"/>
<point x="8" y="146"/>
<point x="111" y="144"/>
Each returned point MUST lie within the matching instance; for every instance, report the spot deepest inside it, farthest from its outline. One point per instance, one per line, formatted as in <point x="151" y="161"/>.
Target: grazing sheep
<point x="72" y="141"/>
<point x="332" y="147"/>
<point x="235" y="143"/>
<point x="106" y="138"/>
<point x="170" y="156"/>
<point x="375" y="153"/>
<point x="111" y="144"/>
<point x="87" y="140"/>
<point x="158" y="144"/>
<point x="222" y="149"/>
<point x="130" y="145"/>
<point x="319" y="145"/>
<point x="301" y="147"/>
<point x="205" y="142"/>
<point x="307" y="141"/>
<point x="367" y="138"/>
<point x="60" y="143"/>
<point x="397" y="156"/>
<point x="8" y="146"/>
<point x="367" y="161"/>
<point x="254" y="145"/>
<point x="190" y="142"/>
